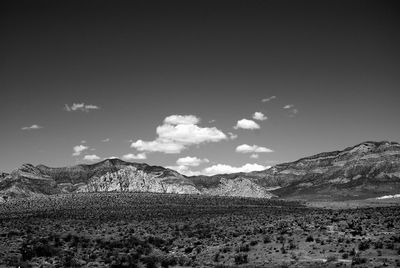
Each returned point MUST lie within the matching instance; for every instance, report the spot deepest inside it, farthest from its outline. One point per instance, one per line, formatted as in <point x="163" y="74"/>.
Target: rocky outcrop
<point x="238" y="187"/>
<point x="131" y="179"/>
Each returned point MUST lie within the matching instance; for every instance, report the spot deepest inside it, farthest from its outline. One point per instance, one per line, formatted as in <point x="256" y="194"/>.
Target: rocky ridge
<point x="369" y="169"/>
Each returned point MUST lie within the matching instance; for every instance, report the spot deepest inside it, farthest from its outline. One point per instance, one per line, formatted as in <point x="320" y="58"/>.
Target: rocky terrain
<point x="367" y="170"/>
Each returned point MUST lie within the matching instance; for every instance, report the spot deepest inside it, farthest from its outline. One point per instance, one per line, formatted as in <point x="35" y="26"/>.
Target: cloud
<point x="268" y="99"/>
<point x="158" y="145"/>
<point x="91" y="157"/>
<point x="181" y="120"/>
<point x="189" y="133"/>
<point x="255" y="156"/>
<point x="226" y="169"/>
<point x="232" y="136"/>
<point x="288" y="106"/>
<point x="259" y="116"/>
<point x="106" y="140"/>
<point x="292" y="111"/>
<point x="246" y="124"/>
<point x="34" y="126"/>
<point x="191" y="161"/>
<point x="80" y="107"/>
<point x="134" y="156"/>
<point x="184" y="170"/>
<point x="177" y="133"/>
<point x="78" y="149"/>
<point x="246" y="149"/>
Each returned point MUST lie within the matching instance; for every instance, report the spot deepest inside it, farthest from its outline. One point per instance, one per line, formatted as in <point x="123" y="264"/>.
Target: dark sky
<point x="335" y="63"/>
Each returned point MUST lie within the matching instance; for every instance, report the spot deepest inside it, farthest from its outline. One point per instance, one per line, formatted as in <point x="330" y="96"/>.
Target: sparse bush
<point x="364" y="245"/>
<point x="241" y="258"/>
<point x="331" y="258"/>
<point x="267" y="239"/>
<point x="310" y="238"/>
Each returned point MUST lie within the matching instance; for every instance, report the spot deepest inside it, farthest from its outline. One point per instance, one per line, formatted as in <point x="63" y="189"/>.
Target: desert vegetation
<point x="166" y="230"/>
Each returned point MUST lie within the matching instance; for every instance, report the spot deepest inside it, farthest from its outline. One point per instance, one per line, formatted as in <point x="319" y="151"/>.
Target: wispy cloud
<point x="80" y="107"/>
<point x="106" y="140"/>
<point x="91" y="157"/>
<point x="268" y="99"/>
<point x="246" y="124"/>
<point x="259" y="116"/>
<point x="177" y="133"/>
<point x="139" y="156"/>
<point x="288" y="106"/>
<point x="292" y="110"/>
<point x="33" y="127"/>
<point x="78" y="149"/>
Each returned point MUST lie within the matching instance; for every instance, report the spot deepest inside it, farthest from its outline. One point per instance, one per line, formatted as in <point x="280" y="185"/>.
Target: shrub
<point x="310" y="238"/>
<point x="331" y="258"/>
<point x="364" y="245"/>
<point x="241" y="258"/>
<point x="267" y="239"/>
<point x="358" y="260"/>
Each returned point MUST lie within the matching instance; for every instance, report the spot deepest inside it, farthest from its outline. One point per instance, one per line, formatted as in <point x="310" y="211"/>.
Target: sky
<point x="203" y="87"/>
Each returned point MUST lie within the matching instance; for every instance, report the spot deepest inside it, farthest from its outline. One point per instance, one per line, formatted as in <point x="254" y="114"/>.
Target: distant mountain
<point x="369" y="169"/>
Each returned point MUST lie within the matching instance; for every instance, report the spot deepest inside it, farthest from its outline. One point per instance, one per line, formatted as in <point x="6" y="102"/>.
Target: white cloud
<point x="189" y="133"/>
<point x="91" y="157"/>
<point x="106" y="140"/>
<point x="112" y="157"/>
<point x="134" y="156"/>
<point x="245" y="149"/>
<point x="177" y="133"/>
<point x="78" y="149"/>
<point x="246" y="124"/>
<point x="181" y="120"/>
<point x="80" y="107"/>
<point x="184" y="170"/>
<point x="259" y="116"/>
<point x="268" y="99"/>
<point x="158" y="145"/>
<point x="288" y="106"/>
<point x="226" y="169"/>
<point x="34" y="126"/>
<point x="232" y="136"/>
<point x="191" y="161"/>
<point x="255" y="156"/>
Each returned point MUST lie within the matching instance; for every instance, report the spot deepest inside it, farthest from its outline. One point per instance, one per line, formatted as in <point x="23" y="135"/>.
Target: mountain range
<point x="367" y="170"/>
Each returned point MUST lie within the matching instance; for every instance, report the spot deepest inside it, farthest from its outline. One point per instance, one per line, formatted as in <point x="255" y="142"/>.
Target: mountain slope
<point x="369" y="169"/>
